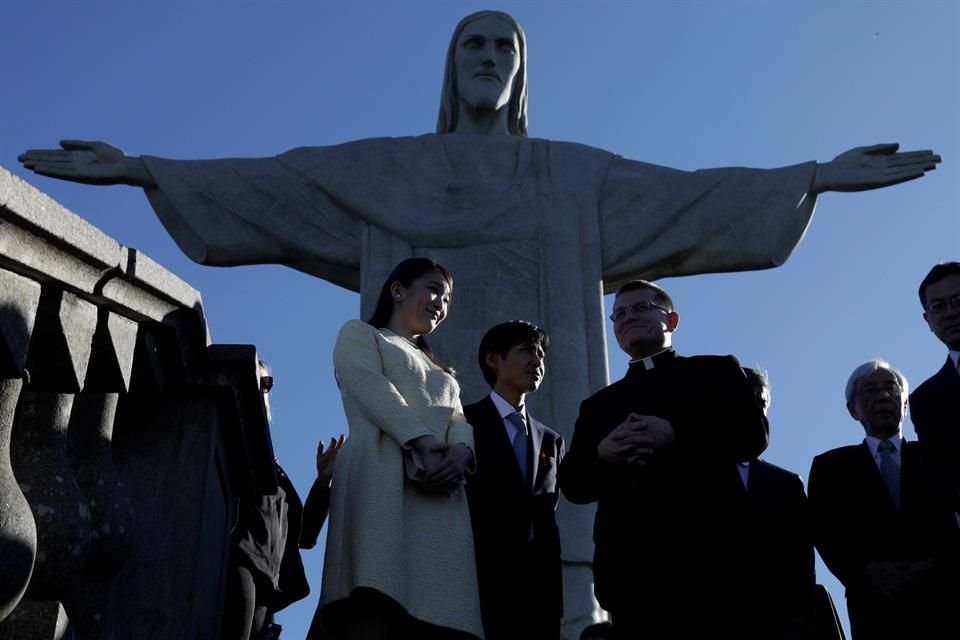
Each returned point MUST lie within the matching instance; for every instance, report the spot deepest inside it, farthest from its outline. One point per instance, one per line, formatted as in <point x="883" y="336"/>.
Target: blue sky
<point x="684" y="84"/>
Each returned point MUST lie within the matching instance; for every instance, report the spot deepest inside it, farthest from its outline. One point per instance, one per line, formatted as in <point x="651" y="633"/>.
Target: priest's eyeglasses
<point x="940" y="306"/>
<point x="636" y="309"/>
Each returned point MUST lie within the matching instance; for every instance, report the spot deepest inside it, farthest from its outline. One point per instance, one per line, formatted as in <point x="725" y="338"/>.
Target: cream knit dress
<point x="384" y="532"/>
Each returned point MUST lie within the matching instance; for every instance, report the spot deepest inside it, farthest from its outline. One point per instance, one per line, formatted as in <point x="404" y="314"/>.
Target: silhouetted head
<point x="940" y="298"/>
<point x="760" y="383"/>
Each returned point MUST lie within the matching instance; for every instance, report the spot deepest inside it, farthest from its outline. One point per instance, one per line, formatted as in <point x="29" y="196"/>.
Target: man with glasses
<point x="657" y="451"/>
<point x="881" y="522"/>
<point x="935" y="405"/>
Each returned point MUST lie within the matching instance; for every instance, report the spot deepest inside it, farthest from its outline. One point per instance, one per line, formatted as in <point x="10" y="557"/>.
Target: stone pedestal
<point x="104" y="359"/>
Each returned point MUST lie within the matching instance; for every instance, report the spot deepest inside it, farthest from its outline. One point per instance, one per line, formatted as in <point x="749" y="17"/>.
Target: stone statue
<point x="530" y="228"/>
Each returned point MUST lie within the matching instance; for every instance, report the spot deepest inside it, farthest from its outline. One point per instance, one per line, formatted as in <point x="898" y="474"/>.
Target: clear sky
<point x="684" y="84"/>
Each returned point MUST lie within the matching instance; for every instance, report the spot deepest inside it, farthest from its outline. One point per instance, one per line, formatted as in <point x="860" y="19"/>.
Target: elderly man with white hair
<point x="881" y="522"/>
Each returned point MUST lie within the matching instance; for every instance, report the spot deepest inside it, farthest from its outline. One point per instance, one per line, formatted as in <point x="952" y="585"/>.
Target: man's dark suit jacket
<point x="775" y="576"/>
<point x="644" y="568"/>
<point x="521" y="588"/>
<point x="935" y="411"/>
<point x="855" y="522"/>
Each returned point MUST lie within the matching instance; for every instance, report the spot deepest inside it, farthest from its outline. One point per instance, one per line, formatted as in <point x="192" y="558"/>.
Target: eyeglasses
<point x="940" y="306"/>
<point x="888" y="389"/>
<point x="266" y="383"/>
<point x="636" y="309"/>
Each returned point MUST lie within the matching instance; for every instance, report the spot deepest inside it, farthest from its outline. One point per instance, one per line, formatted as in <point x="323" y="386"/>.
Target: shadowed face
<point x="641" y="325"/>
<point x="943" y="310"/>
<point x="421" y="307"/>
<point x="879" y="404"/>
<point x="486" y="60"/>
<point x="519" y="372"/>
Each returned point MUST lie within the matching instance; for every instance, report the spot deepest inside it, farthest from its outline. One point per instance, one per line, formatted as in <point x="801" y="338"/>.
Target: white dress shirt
<point x="873" y="443"/>
<point x="505" y="409"/>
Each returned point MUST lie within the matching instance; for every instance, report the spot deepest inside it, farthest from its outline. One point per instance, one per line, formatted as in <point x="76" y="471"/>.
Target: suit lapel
<point x="497" y="444"/>
<point x="536" y="442"/>
<point x="911" y="470"/>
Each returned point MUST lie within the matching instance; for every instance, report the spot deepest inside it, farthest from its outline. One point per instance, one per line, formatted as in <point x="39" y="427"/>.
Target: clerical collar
<point x="656" y="360"/>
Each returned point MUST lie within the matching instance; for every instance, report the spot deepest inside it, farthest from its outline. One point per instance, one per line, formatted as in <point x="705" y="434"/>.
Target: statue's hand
<point x="874" y="167"/>
<point x="89" y="162"/>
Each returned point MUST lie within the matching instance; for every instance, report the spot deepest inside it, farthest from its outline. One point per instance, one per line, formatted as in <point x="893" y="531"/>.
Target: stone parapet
<point x="125" y="437"/>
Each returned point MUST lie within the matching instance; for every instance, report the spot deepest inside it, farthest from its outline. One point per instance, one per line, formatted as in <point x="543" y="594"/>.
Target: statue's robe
<point x="531" y="229"/>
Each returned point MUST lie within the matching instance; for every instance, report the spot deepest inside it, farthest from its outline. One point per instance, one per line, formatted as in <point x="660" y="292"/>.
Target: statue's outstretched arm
<point x="873" y="167"/>
<point x="89" y="162"/>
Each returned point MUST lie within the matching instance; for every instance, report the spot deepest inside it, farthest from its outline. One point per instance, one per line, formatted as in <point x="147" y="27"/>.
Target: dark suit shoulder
<point x="947" y="377"/>
<point x="839" y="455"/>
<point x="709" y="365"/>
<point x="775" y="471"/>
<point x="480" y="409"/>
<point x="547" y="431"/>
<point x="604" y="395"/>
<point x="708" y="360"/>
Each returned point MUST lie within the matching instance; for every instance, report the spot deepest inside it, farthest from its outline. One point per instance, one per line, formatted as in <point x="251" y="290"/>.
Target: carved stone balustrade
<point x="125" y="437"/>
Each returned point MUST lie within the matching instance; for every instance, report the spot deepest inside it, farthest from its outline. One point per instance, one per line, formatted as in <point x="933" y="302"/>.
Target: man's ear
<point x="854" y="410"/>
<point x="494" y="360"/>
<point x="673" y="321"/>
<point x="926" y="319"/>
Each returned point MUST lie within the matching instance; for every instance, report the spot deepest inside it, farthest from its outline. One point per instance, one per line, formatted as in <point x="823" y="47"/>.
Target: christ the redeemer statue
<point x="531" y="228"/>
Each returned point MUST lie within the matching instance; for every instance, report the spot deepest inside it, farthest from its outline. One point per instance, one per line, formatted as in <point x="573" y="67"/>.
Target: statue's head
<point x="510" y="95"/>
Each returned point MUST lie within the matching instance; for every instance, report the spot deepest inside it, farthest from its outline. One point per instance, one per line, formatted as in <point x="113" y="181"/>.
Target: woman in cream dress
<point x="399" y="559"/>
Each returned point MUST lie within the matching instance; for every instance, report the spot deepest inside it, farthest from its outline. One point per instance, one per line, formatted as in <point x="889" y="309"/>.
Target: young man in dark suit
<point x="881" y="521"/>
<point x="657" y="451"/>
<point x="775" y="576"/>
<point x="935" y="404"/>
<point x="513" y="493"/>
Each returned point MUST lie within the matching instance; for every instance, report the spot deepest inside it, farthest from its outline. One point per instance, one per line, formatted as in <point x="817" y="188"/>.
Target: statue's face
<point x="487" y="59"/>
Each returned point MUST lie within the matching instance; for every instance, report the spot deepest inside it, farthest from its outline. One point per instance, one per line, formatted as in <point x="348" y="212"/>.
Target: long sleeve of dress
<point x="359" y="368"/>
<point x="315" y="510"/>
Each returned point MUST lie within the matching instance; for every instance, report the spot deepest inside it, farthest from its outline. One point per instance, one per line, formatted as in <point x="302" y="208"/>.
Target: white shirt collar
<point x="955" y="356"/>
<point x="873" y="443"/>
<point x="504" y="407"/>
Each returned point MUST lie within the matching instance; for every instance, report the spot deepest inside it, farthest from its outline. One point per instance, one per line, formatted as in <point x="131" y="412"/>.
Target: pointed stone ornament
<point x="61" y="342"/>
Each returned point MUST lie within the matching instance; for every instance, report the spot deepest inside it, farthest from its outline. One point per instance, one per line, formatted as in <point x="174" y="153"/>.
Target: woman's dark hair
<point x="406" y="273"/>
